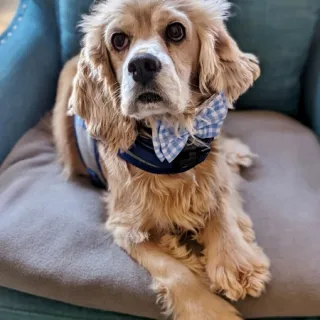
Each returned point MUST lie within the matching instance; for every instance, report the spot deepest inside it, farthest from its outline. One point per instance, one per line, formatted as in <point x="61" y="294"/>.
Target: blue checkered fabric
<point x="168" y="141"/>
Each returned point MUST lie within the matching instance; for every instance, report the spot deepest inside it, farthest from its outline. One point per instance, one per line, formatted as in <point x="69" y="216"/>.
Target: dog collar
<point x="143" y="156"/>
<point x="142" y="153"/>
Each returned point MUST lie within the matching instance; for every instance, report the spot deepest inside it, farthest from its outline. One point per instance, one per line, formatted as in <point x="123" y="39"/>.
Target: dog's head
<point x="145" y="58"/>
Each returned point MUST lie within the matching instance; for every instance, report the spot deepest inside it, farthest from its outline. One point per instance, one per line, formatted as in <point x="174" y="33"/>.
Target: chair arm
<point x="29" y="68"/>
<point x="312" y="85"/>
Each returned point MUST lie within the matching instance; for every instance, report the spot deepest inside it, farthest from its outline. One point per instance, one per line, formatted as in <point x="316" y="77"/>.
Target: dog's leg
<point x="239" y="155"/>
<point x="171" y="245"/>
<point x="235" y="265"/>
<point x="180" y="292"/>
<point x="244" y="221"/>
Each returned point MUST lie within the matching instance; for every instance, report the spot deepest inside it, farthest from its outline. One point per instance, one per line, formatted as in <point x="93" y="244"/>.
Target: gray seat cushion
<point x="53" y="244"/>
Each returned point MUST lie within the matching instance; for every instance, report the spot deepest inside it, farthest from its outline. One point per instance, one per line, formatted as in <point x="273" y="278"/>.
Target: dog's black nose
<point x="144" y="68"/>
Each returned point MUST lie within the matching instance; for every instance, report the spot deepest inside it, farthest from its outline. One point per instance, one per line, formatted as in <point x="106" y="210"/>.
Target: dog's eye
<point x="176" y="32"/>
<point x="120" y="41"/>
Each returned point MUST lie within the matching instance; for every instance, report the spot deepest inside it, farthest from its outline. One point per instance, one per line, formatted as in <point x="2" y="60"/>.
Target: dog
<point x="148" y="65"/>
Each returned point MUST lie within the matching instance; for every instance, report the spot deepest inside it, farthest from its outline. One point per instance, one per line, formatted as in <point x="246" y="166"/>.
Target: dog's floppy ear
<point x="93" y="82"/>
<point x="223" y="66"/>
<point x="94" y="95"/>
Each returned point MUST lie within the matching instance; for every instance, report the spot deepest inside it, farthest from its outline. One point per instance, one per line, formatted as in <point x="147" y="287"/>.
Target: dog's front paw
<point x="254" y="282"/>
<point x="238" y="154"/>
<point x="239" y="272"/>
<point x="207" y="307"/>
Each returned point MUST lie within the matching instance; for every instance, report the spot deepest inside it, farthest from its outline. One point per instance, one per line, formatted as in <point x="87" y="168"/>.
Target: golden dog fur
<point x="147" y="213"/>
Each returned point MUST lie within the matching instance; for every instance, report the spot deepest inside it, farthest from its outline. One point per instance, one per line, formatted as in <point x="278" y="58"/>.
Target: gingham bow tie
<point x="168" y="144"/>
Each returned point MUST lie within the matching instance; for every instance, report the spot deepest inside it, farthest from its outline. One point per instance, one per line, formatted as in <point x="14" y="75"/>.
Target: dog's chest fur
<point x="145" y="201"/>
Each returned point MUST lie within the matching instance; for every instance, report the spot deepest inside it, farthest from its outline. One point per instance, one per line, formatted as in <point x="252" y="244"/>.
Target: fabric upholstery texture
<point x="311" y="81"/>
<point x="20" y="306"/>
<point x="29" y="69"/>
<point x="15" y="305"/>
<point x="69" y="14"/>
<point x="272" y="29"/>
<point x="52" y="235"/>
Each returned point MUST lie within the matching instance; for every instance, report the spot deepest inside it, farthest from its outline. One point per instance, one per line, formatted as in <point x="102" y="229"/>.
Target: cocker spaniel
<point x="143" y="104"/>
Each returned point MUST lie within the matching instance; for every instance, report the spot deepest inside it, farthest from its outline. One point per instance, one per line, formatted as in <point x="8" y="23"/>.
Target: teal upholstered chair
<point x="42" y="253"/>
